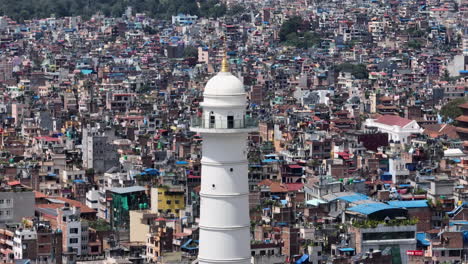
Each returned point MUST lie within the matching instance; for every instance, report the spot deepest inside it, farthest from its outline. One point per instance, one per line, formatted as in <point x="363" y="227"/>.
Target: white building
<point x="73" y="174"/>
<point x="224" y="211"/>
<point x="398" y="128"/>
<point x="397" y="168"/>
<point x="92" y="199"/>
<point x="184" y="19"/>
<point x="20" y="244"/>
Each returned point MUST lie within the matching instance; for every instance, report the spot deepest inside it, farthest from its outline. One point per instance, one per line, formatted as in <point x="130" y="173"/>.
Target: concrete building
<point x="39" y="242"/>
<point x="98" y="153"/>
<point x="224" y="189"/>
<point x="167" y="200"/>
<point x="74" y="231"/>
<point x="14" y="206"/>
<point x="140" y="223"/>
<point x="399" y="238"/>
<point x="123" y="201"/>
<point x="159" y="241"/>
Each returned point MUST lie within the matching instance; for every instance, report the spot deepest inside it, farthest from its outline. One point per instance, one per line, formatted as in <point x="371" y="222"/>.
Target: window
<point x="442" y="253"/>
<point x="73" y="240"/>
<point x="8" y="201"/>
<point x="2" y="201"/>
<point x="388" y="235"/>
<point x="73" y="230"/>
<point x="177" y="202"/>
<point x="212" y="121"/>
<point x="168" y="201"/>
<point x="230" y="122"/>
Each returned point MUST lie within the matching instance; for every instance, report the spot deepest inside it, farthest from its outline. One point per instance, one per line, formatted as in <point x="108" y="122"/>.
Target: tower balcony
<point x="244" y="125"/>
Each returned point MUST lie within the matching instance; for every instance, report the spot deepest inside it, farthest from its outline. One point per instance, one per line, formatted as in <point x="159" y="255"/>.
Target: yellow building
<point x="167" y="200"/>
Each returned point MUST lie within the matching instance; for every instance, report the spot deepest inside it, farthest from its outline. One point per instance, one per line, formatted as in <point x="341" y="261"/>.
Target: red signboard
<point x="415" y="252"/>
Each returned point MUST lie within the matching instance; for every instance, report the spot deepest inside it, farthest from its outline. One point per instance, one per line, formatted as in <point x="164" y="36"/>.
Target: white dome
<point x="224" y="83"/>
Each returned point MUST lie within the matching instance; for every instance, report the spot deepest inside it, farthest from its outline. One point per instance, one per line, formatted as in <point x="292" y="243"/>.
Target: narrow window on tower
<point x="231" y="169"/>
<point x="212" y="120"/>
<point x="230" y="121"/>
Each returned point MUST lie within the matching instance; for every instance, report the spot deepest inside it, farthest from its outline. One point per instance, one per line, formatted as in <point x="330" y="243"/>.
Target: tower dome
<point x="224" y="83"/>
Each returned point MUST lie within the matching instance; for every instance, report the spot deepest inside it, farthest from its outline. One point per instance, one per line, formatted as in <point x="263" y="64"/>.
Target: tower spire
<point x="224" y="62"/>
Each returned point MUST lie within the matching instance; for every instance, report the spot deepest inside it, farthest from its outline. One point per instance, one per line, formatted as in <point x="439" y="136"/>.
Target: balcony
<point x="224" y="125"/>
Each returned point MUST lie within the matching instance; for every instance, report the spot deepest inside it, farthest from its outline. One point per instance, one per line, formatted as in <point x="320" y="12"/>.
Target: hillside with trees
<point x="21" y="10"/>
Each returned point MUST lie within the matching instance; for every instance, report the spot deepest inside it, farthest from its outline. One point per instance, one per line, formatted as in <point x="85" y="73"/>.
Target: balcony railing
<point x="246" y="122"/>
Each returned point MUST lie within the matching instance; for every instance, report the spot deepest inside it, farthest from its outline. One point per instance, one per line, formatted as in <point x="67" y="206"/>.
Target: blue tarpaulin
<point x="151" y="171"/>
<point x="303" y="259"/>
<point x="404" y="185"/>
<point x="387" y="176"/>
<point x="185" y="245"/>
<point x="421" y="237"/>
<point x="346" y="249"/>
<point x="86" y="72"/>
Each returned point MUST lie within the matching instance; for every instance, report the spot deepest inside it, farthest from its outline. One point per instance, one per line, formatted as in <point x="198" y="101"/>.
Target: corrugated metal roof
<point x="353" y="198"/>
<point x="409" y="204"/>
<point x="370" y="208"/>
<point x="128" y="189"/>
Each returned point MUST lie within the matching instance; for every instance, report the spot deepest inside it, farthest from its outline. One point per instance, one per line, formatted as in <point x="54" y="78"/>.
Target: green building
<point x="124" y="200"/>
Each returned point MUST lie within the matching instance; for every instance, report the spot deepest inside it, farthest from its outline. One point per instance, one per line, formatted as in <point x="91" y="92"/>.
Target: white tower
<point x="224" y="195"/>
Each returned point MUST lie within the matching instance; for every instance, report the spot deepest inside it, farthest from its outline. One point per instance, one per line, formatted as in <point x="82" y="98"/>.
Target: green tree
<point x="190" y="52"/>
<point x="451" y="109"/>
<point x="414" y="44"/>
<point x="359" y="71"/>
<point x="292" y="34"/>
<point x="236" y="9"/>
<point x="291" y="25"/>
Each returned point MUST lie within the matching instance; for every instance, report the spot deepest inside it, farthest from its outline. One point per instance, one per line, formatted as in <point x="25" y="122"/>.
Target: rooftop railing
<point x="218" y="123"/>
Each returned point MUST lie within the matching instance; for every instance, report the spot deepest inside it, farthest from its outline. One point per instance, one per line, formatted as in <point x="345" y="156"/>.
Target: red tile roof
<point x="294" y="187"/>
<point x="12" y="183"/>
<point x="83" y="208"/>
<point x="393" y="120"/>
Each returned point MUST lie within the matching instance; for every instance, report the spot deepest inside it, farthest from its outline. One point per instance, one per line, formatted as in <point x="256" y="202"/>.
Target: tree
<point x="451" y="109"/>
<point x="359" y="71"/>
<point x="414" y="44"/>
<point x="291" y="25"/>
<point x="190" y="52"/>
<point x="236" y="9"/>
<point x="291" y="34"/>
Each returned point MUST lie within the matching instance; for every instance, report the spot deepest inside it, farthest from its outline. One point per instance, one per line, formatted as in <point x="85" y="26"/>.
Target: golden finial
<point x="224" y="65"/>
<point x="224" y="62"/>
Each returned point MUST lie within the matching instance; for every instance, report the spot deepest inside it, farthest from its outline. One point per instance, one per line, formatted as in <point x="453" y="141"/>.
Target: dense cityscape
<point x="224" y="131"/>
